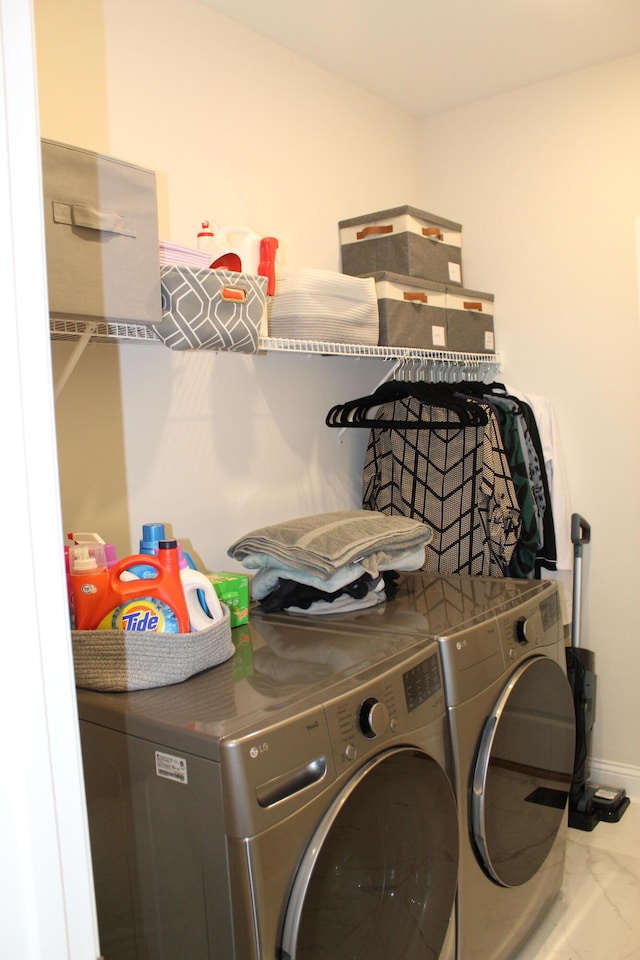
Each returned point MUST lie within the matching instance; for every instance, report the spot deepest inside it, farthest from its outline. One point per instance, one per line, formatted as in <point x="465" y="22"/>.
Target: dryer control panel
<point x="536" y="624"/>
<point x="487" y="648"/>
<point x="400" y="701"/>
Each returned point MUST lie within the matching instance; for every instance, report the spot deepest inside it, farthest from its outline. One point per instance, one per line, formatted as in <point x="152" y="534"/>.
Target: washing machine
<point x="293" y="803"/>
<point x="512" y="726"/>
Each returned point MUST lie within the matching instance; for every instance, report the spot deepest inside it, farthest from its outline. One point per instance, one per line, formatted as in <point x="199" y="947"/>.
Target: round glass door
<point x="378" y="879"/>
<point x="523" y="772"/>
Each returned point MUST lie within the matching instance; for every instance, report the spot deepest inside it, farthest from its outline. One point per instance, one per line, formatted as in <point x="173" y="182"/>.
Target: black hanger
<point x="358" y="413"/>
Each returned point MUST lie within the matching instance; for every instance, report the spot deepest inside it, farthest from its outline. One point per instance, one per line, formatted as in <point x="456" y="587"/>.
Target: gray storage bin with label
<point x="101" y="231"/>
<point x="402" y="240"/>
<point x="470" y="321"/>
<point x="412" y="312"/>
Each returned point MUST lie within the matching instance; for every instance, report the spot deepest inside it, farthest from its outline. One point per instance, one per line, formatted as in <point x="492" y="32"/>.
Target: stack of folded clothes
<point x="330" y="562"/>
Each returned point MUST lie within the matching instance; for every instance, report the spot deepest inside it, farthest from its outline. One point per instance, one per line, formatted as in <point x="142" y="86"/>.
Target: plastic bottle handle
<point x="245" y="233"/>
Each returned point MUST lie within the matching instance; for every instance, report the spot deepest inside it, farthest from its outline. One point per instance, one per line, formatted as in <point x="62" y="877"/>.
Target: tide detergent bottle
<point x="102" y="601"/>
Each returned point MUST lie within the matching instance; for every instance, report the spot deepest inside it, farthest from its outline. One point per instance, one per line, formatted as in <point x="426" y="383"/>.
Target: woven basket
<point x="117" y="660"/>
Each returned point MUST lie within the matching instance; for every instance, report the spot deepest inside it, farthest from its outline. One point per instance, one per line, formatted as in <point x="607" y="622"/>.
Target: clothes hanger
<point x="359" y="412"/>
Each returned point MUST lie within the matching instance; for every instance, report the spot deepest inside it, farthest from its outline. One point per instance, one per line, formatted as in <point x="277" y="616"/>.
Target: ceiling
<point x="426" y="56"/>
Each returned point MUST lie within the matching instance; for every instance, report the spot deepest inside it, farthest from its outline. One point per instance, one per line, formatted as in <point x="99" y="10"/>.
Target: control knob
<point x="373" y="718"/>
<point x="521" y="631"/>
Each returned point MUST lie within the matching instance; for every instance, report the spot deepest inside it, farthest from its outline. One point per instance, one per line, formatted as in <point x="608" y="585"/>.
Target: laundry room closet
<point x="241" y="130"/>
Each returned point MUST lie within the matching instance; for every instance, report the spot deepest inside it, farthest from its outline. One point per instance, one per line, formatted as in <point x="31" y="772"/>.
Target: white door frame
<point x="47" y="909"/>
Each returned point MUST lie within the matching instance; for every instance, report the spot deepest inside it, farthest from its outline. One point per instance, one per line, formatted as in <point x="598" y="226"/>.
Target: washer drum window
<point x="378" y="880"/>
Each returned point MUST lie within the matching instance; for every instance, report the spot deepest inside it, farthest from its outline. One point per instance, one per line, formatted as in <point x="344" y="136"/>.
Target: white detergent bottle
<point x="196" y="585"/>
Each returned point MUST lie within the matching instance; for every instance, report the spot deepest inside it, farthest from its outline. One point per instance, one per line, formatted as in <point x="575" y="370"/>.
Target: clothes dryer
<point x="292" y="803"/>
<point x="512" y="728"/>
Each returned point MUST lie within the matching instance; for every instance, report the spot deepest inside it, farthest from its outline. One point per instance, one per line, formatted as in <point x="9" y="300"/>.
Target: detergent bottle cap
<point x="205" y="230"/>
<point x="152" y="534"/>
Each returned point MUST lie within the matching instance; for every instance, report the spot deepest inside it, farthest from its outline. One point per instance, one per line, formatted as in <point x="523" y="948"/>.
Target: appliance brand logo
<point x="257" y="749"/>
<point x="312" y="726"/>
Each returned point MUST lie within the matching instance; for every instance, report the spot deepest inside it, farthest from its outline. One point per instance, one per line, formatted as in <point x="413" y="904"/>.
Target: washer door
<point x="523" y="772"/>
<point x="378" y="880"/>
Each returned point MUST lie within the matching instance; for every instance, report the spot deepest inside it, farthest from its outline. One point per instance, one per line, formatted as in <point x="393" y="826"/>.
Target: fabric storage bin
<point x="413" y="313"/>
<point x="117" y="660"/>
<point x="470" y="321"/>
<point x="101" y="232"/>
<point x="206" y="309"/>
<point x="402" y="240"/>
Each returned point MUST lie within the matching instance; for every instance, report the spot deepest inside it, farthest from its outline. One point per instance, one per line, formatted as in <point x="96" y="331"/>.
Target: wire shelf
<point x="104" y="331"/>
<point x="366" y="350"/>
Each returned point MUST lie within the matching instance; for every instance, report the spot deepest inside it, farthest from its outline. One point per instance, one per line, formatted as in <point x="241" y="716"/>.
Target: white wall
<point x="240" y="131"/>
<point x="545" y="181"/>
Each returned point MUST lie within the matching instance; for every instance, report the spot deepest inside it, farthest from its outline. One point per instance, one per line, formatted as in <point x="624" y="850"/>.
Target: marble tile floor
<point x="597" y="913"/>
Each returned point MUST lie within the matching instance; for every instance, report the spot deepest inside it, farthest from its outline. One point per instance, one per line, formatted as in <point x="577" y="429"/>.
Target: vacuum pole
<point x="580" y="534"/>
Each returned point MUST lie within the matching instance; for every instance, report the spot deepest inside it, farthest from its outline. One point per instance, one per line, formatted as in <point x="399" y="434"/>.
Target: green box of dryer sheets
<point x="233" y="589"/>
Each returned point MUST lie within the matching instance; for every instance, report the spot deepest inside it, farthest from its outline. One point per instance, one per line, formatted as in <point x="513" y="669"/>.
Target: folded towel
<point x="330" y="549"/>
<point x="270" y="571"/>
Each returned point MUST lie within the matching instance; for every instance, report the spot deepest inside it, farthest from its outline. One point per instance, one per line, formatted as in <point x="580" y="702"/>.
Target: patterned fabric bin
<point x="206" y="309"/>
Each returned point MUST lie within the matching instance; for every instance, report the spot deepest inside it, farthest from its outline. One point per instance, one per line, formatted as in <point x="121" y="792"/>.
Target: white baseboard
<point x="616" y="775"/>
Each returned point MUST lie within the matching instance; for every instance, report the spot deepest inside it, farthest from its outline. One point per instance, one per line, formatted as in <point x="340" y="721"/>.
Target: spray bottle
<point x="103" y="601"/>
<point x="198" y="591"/>
<point x="109" y="557"/>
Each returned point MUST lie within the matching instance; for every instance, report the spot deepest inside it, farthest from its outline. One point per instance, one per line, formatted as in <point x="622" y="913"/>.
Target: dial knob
<point x="374" y="718"/>
<point x="521" y="631"/>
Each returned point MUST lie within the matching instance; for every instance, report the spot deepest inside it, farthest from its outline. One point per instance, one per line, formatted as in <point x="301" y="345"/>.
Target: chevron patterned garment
<point x="456" y="480"/>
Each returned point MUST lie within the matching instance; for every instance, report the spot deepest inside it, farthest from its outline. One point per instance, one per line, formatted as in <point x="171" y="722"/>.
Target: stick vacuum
<point x="589" y="803"/>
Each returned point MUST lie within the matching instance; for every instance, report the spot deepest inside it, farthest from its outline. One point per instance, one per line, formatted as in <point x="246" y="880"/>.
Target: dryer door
<point x="523" y="772"/>
<point x="378" y="879"/>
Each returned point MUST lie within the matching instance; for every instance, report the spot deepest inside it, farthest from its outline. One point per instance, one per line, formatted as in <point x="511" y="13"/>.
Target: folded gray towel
<point x="323" y="543"/>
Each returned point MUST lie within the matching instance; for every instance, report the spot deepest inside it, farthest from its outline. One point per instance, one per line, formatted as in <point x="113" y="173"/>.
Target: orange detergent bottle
<point x="102" y="601"/>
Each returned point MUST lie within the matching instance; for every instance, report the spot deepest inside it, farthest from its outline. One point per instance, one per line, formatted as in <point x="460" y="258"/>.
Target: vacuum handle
<point x="580" y="532"/>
